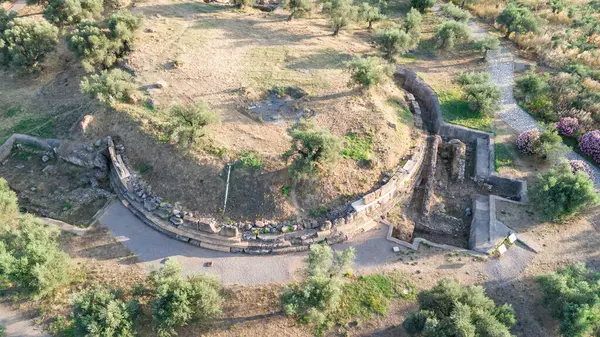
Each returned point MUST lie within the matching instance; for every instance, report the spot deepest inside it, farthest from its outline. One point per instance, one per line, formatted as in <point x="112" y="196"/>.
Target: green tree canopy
<point x="393" y="42"/>
<point x="571" y="293"/>
<point x="559" y="194"/>
<point x="72" y="12"/>
<point x="298" y="8"/>
<point x="450" y="310"/>
<point x="100" y="312"/>
<point x="451" y="31"/>
<point x="422" y="5"/>
<point x="369" y="14"/>
<point x="26" y="41"/>
<point x="517" y="20"/>
<point x="312" y="149"/>
<point x="341" y="13"/>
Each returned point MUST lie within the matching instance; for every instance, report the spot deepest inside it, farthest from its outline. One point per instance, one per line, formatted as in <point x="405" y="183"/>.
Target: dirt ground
<point x="54" y="189"/>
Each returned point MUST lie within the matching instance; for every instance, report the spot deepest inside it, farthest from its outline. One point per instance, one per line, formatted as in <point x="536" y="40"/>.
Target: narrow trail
<point x="17" y="325"/>
<point x="17" y="5"/>
<point x="500" y="64"/>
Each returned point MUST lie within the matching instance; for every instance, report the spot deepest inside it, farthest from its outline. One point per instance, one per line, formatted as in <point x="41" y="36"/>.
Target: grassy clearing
<point x="34" y="126"/>
<point x="357" y="147"/>
<point x="371" y="294"/>
<point x="504" y="157"/>
<point x="456" y="110"/>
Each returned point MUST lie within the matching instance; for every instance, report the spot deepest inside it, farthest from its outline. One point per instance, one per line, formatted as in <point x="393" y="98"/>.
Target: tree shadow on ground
<point x="325" y="59"/>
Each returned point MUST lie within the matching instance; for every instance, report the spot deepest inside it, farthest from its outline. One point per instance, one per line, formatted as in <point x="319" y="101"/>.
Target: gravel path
<point x="18" y="326"/>
<point x="373" y="252"/>
<point x="501" y="69"/>
<point x="17" y="5"/>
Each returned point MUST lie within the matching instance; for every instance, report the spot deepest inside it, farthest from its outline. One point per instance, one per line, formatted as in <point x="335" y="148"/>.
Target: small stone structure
<point x="486" y="233"/>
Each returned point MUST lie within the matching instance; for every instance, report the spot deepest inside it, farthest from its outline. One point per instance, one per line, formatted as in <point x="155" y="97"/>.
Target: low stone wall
<point x="425" y="95"/>
<point x="180" y="224"/>
<point x="433" y="143"/>
<point x="482" y="142"/>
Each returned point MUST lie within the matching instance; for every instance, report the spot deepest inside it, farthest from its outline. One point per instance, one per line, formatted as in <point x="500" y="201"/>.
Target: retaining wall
<point x="482" y="142"/>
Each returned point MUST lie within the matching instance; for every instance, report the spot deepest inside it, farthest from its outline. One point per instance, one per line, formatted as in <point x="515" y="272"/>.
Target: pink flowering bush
<point x="526" y="142"/>
<point x="589" y="144"/>
<point x="567" y="126"/>
<point x="581" y="166"/>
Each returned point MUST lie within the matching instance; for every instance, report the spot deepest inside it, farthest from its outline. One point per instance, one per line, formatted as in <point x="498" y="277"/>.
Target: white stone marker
<point x="502" y="249"/>
<point x="396" y="249"/>
<point x="512" y="238"/>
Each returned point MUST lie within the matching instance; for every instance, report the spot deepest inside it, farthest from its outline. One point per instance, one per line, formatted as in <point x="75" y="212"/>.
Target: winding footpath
<point x="500" y="64"/>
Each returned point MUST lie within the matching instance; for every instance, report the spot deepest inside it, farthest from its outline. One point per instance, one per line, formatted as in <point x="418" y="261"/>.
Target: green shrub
<point x="100" y="312"/>
<point x="571" y="293"/>
<point x="531" y="86"/>
<point x="450" y="309"/>
<point x="190" y="122"/>
<point x="178" y="301"/>
<point x="518" y="20"/>
<point x="549" y="145"/>
<point x="483" y="96"/>
<point x="369" y="14"/>
<point x="9" y="207"/>
<point x="422" y="5"/>
<point x="109" y="86"/>
<point x="393" y="42"/>
<point x="72" y="12"/>
<point x="25" y="42"/>
<point x="557" y="6"/>
<point x="298" y="8"/>
<point x="31" y="258"/>
<point x="487" y="44"/>
<point x="559" y="194"/>
<point x="250" y="159"/>
<point x="314" y="300"/>
<point x="412" y="24"/>
<point x="312" y="149"/>
<point x="451" y="31"/>
<point x="244" y="3"/>
<point x="455" y="13"/>
<point x="101" y="44"/>
<point x="341" y="13"/>
<point x="369" y="71"/>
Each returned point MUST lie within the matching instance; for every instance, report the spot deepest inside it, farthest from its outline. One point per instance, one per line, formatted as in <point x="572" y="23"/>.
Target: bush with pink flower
<point x="567" y="126"/>
<point x="526" y="142"/>
<point x="589" y="144"/>
<point x="581" y="166"/>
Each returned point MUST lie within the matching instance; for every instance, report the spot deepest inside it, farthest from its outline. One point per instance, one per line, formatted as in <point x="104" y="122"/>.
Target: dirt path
<point x="16" y="7"/>
<point x="18" y="326"/>
<point x="373" y="253"/>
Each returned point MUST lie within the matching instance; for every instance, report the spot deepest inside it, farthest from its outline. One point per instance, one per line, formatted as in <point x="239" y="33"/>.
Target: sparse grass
<point x="13" y="111"/>
<point x="456" y="110"/>
<point x="371" y="294"/>
<point x="504" y="157"/>
<point x="285" y="191"/>
<point x="322" y="210"/>
<point x="34" y="126"/>
<point x="357" y="147"/>
<point x="403" y="113"/>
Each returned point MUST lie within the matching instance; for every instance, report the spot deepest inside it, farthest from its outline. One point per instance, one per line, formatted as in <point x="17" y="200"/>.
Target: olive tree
<point x="312" y="149"/>
<point x="71" y="12"/>
<point x="341" y="14"/>
<point x="393" y="42"/>
<point x="298" y="8"/>
<point x="318" y="296"/>
<point x="177" y="301"/>
<point x="109" y="85"/>
<point x="518" y="20"/>
<point x="560" y="194"/>
<point x="422" y="5"/>
<point x="488" y="43"/>
<point x="483" y="96"/>
<point x="369" y="14"/>
<point x="101" y="312"/>
<point x="571" y="294"/>
<point x="369" y="71"/>
<point x="450" y="309"/>
<point x="26" y="41"/>
<point x="449" y="32"/>
<point x="190" y="122"/>
<point x="412" y="23"/>
<point x="101" y="44"/>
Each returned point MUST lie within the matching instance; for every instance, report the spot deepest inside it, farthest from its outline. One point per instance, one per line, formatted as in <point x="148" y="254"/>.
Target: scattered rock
<point x="150" y="205"/>
<point x="20" y="166"/>
<point x="50" y="169"/>
<point x="468" y="212"/>
<point x="148" y="30"/>
<point x="98" y="142"/>
<point x="162" y="213"/>
<point x="259" y="224"/>
<point x="392" y="125"/>
<point x="161" y="84"/>
<point x="325" y="226"/>
<point x="177" y="221"/>
<point x="45" y="158"/>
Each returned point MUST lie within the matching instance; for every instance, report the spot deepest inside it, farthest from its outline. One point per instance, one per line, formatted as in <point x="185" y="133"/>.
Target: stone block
<point x="229" y="231"/>
<point x="512" y="238"/>
<point x="207" y="226"/>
